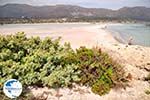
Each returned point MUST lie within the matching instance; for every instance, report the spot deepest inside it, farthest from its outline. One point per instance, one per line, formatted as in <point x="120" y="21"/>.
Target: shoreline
<point x="132" y="34"/>
<point x="116" y="36"/>
<point x="70" y="32"/>
<point x="86" y="34"/>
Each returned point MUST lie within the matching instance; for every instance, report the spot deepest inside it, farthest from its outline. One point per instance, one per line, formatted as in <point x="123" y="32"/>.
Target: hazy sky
<point x="113" y="4"/>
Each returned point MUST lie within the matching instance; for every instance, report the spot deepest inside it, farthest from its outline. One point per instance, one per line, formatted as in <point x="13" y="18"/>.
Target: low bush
<point x="38" y="62"/>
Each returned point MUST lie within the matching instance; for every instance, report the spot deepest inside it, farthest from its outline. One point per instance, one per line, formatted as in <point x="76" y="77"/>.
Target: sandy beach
<point x="134" y="58"/>
<point x="85" y="35"/>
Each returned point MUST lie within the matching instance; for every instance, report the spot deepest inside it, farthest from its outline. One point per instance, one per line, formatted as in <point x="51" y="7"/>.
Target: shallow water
<point x="138" y="34"/>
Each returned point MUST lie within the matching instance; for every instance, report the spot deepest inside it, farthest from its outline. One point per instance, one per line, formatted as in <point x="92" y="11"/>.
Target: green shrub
<point x="147" y="78"/>
<point x="147" y="91"/>
<point x="47" y="63"/>
<point x="99" y="71"/>
<point x="102" y="85"/>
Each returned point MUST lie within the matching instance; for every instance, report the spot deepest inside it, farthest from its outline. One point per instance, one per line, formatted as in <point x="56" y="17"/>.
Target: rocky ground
<point x="136" y="62"/>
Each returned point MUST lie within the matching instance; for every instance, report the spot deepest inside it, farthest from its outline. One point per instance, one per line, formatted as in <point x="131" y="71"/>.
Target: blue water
<point x="140" y="33"/>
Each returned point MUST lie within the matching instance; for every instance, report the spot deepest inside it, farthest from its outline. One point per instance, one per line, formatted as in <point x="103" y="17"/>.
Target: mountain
<point x="71" y="11"/>
<point x="141" y="13"/>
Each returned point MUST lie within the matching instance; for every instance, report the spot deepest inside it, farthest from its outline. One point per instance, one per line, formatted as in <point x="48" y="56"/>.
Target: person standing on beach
<point x="130" y="40"/>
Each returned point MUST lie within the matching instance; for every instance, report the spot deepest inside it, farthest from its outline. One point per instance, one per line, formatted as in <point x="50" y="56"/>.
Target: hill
<point x="71" y="11"/>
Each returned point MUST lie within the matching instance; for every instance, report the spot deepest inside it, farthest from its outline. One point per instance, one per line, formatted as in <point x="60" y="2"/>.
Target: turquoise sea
<point x="139" y="33"/>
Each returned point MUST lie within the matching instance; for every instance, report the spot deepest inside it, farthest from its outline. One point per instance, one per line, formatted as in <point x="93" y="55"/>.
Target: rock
<point x="147" y="68"/>
<point x="148" y="63"/>
<point x="129" y="76"/>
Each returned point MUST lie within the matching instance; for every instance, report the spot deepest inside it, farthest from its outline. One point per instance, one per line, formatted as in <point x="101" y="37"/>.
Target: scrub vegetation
<point x="36" y="62"/>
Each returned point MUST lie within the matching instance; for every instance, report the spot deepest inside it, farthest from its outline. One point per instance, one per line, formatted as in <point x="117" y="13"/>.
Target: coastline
<point x="134" y="34"/>
<point x="116" y="36"/>
<point x="69" y="32"/>
<point x="86" y="34"/>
